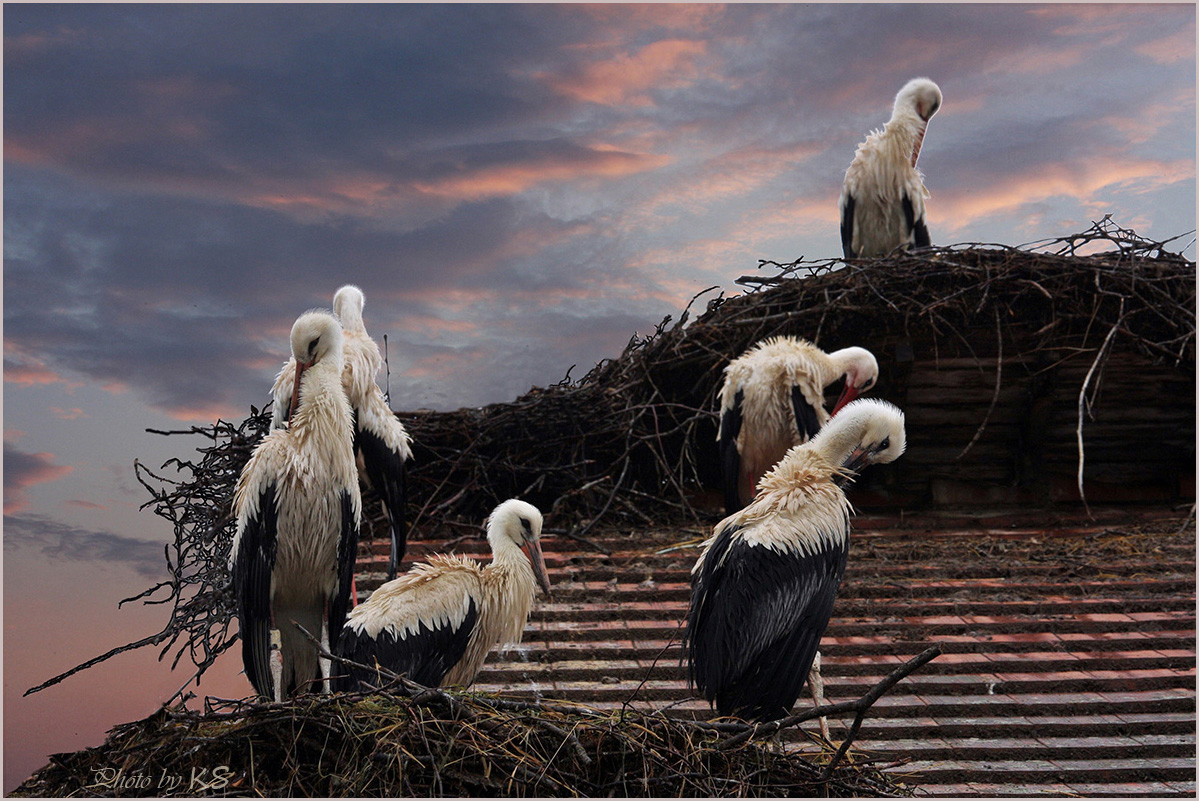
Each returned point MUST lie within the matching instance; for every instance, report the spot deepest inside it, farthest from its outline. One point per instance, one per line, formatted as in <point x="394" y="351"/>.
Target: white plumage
<point x="764" y="586"/>
<point x="882" y="199"/>
<point x="773" y="398"/>
<point x="298" y="509"/>
<point x="437" y="622"/>
<point x="382" y="445"/>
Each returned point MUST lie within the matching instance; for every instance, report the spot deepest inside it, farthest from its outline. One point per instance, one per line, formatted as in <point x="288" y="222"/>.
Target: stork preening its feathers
<point x="773" y="399"/>
<point x="764" y="586"/>
<point x="382" y="445"/>
<point x="882" y="200"/>
<point x="437" y="622"/>
<point x="298" y="508"/>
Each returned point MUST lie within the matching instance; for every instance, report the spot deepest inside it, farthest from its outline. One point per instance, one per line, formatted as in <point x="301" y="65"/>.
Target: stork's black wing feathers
<point x="915" y="226"/>
<point x="347" y="555"/>
<point x="730" y="458"/>
<point x="755" y="623"/>
<point x="425" y="657"/>
<point x="923" y="240"/>
<point x="805" y="416"/>
<point x="385" y="469"/>
<point x="847" y="227"/>
<point x="252" y="568"/>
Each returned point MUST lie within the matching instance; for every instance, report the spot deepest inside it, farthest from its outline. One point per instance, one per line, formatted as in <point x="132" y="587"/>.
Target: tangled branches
<point x="402" y="739"/>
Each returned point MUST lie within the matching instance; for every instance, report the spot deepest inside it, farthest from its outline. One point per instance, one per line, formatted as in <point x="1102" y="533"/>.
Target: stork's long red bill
<point x="532" y="549"/>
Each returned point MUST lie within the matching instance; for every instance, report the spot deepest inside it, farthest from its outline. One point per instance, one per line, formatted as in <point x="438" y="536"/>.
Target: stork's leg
<point x="323" y="660"/>
<point x="277" y="664"/>
<point x="816" y="682"/>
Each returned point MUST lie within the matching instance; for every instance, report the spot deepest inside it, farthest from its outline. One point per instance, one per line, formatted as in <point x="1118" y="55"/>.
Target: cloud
<point x="24" y="470"/>
<point x="631" y="78"/>
<point x="58" y="541"/>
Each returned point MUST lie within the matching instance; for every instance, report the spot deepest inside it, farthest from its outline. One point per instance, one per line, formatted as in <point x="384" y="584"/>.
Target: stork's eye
<point x="868" y="384"/>
<point x="527" y="526"/>
<point x="312" y="346"/>
<point x="886" y="443"/>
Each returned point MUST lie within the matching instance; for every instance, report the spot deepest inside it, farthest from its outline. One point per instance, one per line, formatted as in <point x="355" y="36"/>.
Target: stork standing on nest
<point x="437" y="622"/>
<point x="382" y="445"/>
<point x="882" y="199"/>
<point x="773" y="399"/>
<point x="298" y="509"/>
<point x="764" y="585"/>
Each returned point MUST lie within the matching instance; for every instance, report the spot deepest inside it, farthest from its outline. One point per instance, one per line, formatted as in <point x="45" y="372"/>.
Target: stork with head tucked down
<point x="764" y="586"/>
<point x="381" y="443"/>
<point x="437" y="622"/>
<point x="298" y="508"/>
<point x="773" y="399"/>
<point x="882" y="199"/>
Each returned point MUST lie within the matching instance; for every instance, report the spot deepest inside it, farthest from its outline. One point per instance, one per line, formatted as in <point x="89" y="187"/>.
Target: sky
<point x="516" y="189"/>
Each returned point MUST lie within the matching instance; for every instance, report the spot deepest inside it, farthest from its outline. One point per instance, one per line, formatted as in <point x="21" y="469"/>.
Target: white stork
<point x="882" y="200"/>
<point x="437" y="622"/>
<point x="298" y="509"/>
<point x="773" y="399"/>
<point x="764" y="586"/>
<point x="381" y="443"/>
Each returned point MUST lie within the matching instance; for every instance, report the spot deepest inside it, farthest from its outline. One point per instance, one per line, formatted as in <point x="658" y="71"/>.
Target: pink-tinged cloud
<point x="509" y="179"/>
<point x="628" y="18"/>
<point x="87" y="505"/>
<point x="627" y="78"/>
<point x="25" y="370"/>
<point x="205" y="414"/>
<point x="952" y="211"/>
<point x="1178" y="46"/>
<point x="734" y="175"/>
<point x="68" y="414"/>
<point x="24" y="470"/>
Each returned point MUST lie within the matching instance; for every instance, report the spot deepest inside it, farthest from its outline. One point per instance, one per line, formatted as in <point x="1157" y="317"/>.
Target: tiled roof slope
<point x="1069" y="645"/>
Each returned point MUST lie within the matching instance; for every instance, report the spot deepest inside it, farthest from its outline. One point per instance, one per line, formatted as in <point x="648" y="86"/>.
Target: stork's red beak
<point x="849" y="394"/>
<point x="857" y="459"/>
<point x="532" y="549"/>
<point x="295" y="391"/>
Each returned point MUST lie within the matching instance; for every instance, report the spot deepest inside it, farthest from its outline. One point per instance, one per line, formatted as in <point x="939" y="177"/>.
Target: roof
<point x="1068" y="662"/>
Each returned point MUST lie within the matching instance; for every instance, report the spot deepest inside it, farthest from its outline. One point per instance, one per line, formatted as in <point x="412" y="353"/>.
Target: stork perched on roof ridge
<point x="763" y="588"/>
<point x="882" y="198"/>
<point x="298" y="510"/>
<point x="382" y="445"/>
<point x="437" y="622"/>
<point x="772" y="399"/>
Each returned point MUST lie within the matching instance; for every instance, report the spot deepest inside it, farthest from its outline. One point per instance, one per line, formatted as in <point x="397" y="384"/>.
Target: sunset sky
<point x="516" y="188"/>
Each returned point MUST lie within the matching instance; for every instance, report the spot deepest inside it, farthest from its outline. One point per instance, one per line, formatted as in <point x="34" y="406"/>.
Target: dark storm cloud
<point x="58" y="541"/>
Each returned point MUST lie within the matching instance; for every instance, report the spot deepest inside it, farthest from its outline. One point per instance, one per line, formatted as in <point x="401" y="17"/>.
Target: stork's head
<point x="860" y="369"/>
<point x="347" y="305"/>
<point x="315" y="339"/>
<point x="520" y="522"/>
<point x="921" y="96"/>
<point x="867" y="432"/>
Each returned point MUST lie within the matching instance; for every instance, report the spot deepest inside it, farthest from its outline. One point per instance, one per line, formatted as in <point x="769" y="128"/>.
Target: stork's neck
<point x="510" y="578"/>
<point x="906" y="130"/>
<point x="323" y="403"/>
<point x="844" y="432"/>
<point x="351" y="318"/>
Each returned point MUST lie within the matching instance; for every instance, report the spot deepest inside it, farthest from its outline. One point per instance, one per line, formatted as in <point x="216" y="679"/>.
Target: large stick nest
<point x="436" y="743"/>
